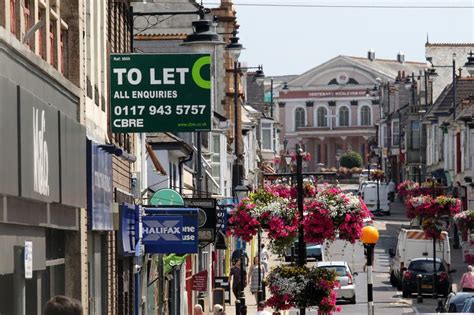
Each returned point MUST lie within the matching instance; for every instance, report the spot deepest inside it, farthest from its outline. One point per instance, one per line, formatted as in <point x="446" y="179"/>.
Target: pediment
<point x="338" y="72"/>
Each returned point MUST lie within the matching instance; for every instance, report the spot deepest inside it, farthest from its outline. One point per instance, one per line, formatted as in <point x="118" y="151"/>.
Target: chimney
<point x="401" y="57"/>
<point x="371" y="54"/>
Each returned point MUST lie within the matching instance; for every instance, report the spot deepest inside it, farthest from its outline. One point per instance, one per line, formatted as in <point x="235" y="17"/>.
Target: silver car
<point x="345" y="277"/>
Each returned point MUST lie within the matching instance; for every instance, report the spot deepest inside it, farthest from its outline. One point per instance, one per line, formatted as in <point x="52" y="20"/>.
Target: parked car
<point x="413" y="243"/>
<point x="468" y="306"/>
<point x="368" y="193"/>
<point x="424" y="267"/>
<point x="313" y="251"/>
<point x="345" y="277"/>
<point x="455" y="301"/>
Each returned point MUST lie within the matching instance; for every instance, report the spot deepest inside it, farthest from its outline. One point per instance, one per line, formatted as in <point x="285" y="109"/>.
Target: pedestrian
<point x="467" y="280"/>
<point x="253" y="277"/>
<point x="236" y="276"/>
<point x="238" y="253"/>
<point x="62" y="305"/>
<point x="264" y="256"/>
<point x="261" y="309"/>
<point x="218" y="309"/>
<point x="198" y="310"/>
<point x="391" y="190"/>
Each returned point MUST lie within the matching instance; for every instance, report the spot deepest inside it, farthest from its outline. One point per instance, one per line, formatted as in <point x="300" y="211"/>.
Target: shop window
<point x="27" y="19"/>
<point x="52" y="44"/>
<point x="41" y="35"/>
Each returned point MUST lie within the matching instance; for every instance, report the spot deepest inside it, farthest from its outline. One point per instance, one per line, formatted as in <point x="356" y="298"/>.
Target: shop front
<point x="42" y="188"/>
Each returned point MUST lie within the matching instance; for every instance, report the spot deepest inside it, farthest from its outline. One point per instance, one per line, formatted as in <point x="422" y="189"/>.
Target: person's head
<point x="255" y="260"/>
<point x="237" y="262"/>
<point x="62" y="305"/>
<point x="261" y="306"/>
<point x="218" y="309"/>
<point x="262" y="246"/>
<point x="198" y="309"/>
<point x="469" y="268"/>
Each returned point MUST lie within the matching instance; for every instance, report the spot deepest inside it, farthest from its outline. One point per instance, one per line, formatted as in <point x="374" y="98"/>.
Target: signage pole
<point x="137" y="259"/>
<point x="299" y="189"/>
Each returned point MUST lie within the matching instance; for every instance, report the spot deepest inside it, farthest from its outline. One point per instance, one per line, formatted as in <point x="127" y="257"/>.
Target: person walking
<point x="264" y="256"/>
<point x="467" y="280"/>
<point x="391" y="190"/>
<point x="236" y="276"/>
<point x="253" y="277"/>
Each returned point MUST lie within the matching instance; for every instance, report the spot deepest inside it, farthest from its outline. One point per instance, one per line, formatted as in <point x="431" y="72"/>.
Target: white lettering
<point x="153" y="79"/>
<point x="120" y="72"/>
<point x="168" y="75"/>
<point x="182" y="72"/>
<point x="138" y="76"/>
<point x="40" y="154"/>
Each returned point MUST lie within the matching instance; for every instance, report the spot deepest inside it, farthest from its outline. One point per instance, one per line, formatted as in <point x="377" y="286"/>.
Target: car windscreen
<point x="339" y="270"/>
<point x="425" y="266"/>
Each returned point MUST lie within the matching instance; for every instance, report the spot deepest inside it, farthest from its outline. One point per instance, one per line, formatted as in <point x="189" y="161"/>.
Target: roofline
<point x="390" y="60"/>
<point x="449" y="44"/>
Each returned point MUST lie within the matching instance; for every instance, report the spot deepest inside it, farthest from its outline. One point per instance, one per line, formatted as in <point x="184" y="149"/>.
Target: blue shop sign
<point x="99" y="188"/>
<point x="170" y="230"/>
<point x="128" y="228"/>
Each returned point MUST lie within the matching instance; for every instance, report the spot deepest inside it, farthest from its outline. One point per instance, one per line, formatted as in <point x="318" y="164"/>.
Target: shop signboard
<point x="99" y="188"/>
<point x="28" y="260"/>
<point x="200" y="281"/>
<point x="128" y="228"/>
<point x="170" y="230"/>
<point x="206" y="218"/>
<point x="160" y="92"/>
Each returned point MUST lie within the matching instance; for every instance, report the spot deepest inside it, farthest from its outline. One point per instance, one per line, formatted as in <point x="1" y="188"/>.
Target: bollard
<point x="237" y="306"/>
<point x="419" y="297"/>
<point x="243" y="310"/>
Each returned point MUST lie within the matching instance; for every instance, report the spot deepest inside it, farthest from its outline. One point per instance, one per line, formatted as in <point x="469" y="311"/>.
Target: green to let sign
<point x="160" y="92"/>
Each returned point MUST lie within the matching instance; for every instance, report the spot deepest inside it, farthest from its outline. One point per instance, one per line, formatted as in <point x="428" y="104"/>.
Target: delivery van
<point x="413" y="243"/>
<point x="368" y="193"/>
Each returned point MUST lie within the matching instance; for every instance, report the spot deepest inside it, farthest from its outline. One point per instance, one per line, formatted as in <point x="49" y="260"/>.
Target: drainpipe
<point x="180" y="168"/>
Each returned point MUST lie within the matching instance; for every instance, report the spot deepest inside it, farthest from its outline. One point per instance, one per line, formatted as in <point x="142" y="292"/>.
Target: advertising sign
<point x="160" y="92"/>
<point x="99" y="188"/>
<point x="206" y="218"/>
<point x="200" y="281"/>
<point x="127" y="229"/>
<point x="28" y="260"/>
<point x="170" y="230"/>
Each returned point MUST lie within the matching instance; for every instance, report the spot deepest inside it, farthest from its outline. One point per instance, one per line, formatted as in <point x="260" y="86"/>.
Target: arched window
<point x="343" y="116"/>
<point x="299" y="117"/>
<point x="365" y="116"/>
<point x="322" y="114"/>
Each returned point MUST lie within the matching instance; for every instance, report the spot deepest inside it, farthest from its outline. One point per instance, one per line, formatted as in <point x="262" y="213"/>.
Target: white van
<point x="364" y="175"/>
<point x="413" y="243"/>
<point x="368" y="193"/>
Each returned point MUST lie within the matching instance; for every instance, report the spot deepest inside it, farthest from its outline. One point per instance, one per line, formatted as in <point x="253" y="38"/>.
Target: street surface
<point x="387" y="299"/>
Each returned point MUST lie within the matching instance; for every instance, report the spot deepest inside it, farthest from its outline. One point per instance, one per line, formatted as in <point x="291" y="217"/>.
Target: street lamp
<point x="369" y="237"/>
<point x="469" y="65"/>
<point x="241" y="193"/>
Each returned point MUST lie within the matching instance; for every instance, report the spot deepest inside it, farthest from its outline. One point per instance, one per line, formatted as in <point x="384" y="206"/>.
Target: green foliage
<point x="351" y="159"/>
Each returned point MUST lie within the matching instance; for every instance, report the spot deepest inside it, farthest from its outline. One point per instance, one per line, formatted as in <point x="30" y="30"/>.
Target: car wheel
<point x="406" y="293"/>
<point x="353" y="300"/>
<point x="393" y="280"/>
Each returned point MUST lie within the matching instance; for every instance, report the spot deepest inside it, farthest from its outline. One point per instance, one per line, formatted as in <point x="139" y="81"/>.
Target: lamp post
<point x="369" y="237"/>
<point x="241" y="192"/>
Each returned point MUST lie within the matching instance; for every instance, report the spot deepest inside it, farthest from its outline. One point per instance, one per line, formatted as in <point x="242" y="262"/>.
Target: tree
<point x="351" y="159"/>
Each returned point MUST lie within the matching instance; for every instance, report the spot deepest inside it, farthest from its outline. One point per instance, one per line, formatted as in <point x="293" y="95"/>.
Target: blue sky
<point x="292" y="40"/>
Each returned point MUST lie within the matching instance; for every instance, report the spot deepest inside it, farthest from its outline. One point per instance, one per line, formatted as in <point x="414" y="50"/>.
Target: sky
<point x="291" y="37"/>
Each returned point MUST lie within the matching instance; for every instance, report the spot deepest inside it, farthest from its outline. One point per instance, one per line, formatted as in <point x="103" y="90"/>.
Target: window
<point x="299" y="117"/>
<point x="344" y="116"/>
<point x="13" y="17"/>
<point x="415" y="134"/>
<point x="322" y="114"/>
<point x="395" y="132"/>
<point x="365" y="116"/>
<point x="267" y="136"/>
<point x="216" y="157"/>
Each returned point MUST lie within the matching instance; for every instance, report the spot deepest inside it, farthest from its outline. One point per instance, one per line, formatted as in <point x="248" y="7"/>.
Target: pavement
<point x="387" y="299"/>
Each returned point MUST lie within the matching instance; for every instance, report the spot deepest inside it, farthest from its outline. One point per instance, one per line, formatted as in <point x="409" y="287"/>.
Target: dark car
<point x="312" y="251"/>
<point x="455" y="301"/>
<point x="424" y="267"/>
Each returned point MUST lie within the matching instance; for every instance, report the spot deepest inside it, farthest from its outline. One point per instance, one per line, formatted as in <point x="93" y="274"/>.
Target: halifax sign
<point x="170" y="230"/>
